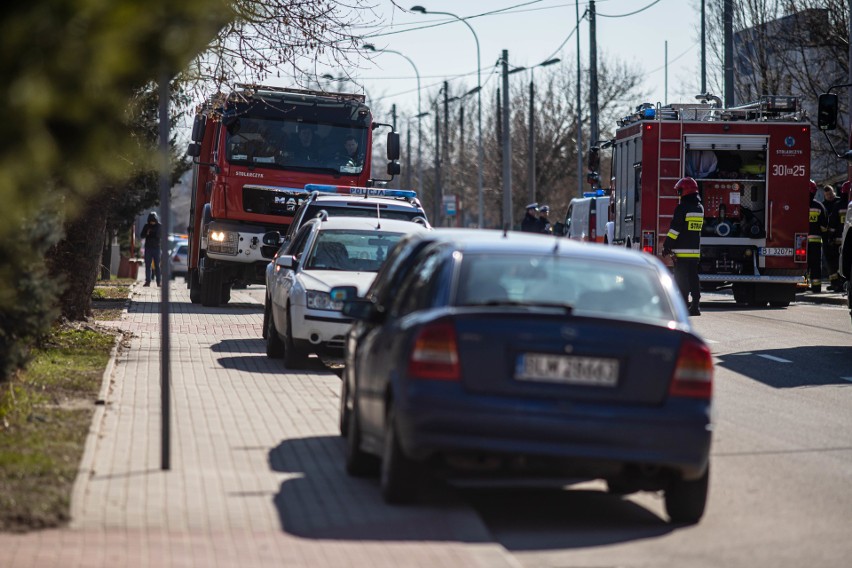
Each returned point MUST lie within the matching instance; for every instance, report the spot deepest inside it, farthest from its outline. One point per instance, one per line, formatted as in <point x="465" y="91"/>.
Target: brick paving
<point x="256" y="473"/>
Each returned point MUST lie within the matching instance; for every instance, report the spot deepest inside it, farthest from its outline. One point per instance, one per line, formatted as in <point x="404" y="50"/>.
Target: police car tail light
<point x="693" y="374"/>
<point x="648" y="242"/>
<point x="435" y="355"/>
<point x="801" y="248"/>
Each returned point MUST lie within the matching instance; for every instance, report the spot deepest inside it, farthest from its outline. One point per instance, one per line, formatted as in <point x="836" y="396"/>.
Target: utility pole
<point x="408" y="155"/>
<point x="436" y="207"/>
<point x="729" y="53"/>
<point x="531" y="143"/>
<point x="395" y="181"/>
<point x="593" y="76"/>
<point x="499" y="122"/>
<point x="704" y="48"/>
<point x="445" y="155"/>
<point x="507" y="147"/>
<point x="666" y="72"/>
<point x="579" y="110"/>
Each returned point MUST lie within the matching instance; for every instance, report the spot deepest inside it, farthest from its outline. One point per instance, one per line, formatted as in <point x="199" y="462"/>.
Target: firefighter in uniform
<point x="842" y="203"/>
<point x="817" y="225"/>
<point x="831" y="238"/>
<point x="684" y="241"/>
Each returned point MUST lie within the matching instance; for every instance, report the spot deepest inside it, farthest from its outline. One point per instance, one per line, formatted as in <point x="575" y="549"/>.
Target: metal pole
<point x="593" y="76"/>
<point x="704" y="48"/>
<point x="579" y="111"/>
<point x="436" y="209"/>
<point x="408" y="154"/>
<point x="165" y="269"/>
<point x="729" y="52"/>
<point x="507" y="147"/>
<point x="445" y="153"/>
<point x="665" y="72"/>
<point x="531" y="142"/>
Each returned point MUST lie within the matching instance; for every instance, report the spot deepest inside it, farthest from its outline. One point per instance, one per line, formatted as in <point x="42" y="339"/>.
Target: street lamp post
<point x="422" y="10"/>
<point x="420" y="114"/>
<point x="531" y="185"/>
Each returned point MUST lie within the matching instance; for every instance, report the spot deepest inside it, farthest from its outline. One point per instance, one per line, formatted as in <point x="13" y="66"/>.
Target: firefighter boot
<point x="694" y="309"/>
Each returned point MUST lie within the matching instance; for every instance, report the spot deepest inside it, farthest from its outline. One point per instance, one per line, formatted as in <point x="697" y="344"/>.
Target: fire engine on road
<point x="254" y="151"/>
<point x="752" y="165"/>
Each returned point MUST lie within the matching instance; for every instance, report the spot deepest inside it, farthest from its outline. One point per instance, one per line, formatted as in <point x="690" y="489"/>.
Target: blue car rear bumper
<point x="442" y="419"/>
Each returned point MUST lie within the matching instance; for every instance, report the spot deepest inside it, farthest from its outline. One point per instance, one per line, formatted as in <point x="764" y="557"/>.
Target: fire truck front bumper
<point x="227" y="243"/>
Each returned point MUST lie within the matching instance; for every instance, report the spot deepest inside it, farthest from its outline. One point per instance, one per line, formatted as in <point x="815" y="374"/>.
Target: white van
<point x="587" y="218"/>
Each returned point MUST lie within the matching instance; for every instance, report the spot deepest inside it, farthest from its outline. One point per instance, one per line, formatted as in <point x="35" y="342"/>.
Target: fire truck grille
<point x="271" y="200"/>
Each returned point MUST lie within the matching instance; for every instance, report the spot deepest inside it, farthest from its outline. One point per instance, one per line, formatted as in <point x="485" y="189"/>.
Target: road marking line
<point x="773" y="358"/>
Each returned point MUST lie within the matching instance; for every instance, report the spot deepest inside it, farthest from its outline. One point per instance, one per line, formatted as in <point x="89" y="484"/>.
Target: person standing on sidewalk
<point x="684" y="242"/>
<point x="817" y="225"/>
<point x="831" y="242"/>
<point x="151" y="232"/>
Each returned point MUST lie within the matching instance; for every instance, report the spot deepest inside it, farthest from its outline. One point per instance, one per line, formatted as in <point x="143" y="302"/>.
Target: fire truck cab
<point x="752" y="165"/>
<point x="254" y="152"/>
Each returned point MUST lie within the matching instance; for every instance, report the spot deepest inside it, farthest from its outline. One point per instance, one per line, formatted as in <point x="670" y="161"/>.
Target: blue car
<point x="492" y="354"/>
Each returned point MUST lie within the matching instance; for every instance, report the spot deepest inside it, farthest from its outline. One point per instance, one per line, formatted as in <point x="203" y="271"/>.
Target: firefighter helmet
<point x="844" y="189"/>
<point x="686" y="186"/>
<point x="812" y="188"/>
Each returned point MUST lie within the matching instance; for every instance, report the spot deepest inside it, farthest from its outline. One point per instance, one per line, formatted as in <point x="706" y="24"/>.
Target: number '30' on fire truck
<point x="752" y="165"/>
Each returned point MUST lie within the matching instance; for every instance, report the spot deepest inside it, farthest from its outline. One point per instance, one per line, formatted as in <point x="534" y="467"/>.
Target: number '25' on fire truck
<point x="752" y="165"/>
<point x="254" y="151"/>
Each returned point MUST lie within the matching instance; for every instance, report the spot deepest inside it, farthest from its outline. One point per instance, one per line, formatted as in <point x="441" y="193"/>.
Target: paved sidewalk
<point x="257" y="471"/>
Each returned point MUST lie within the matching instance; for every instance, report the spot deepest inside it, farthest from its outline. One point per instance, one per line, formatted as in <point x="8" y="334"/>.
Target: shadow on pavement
<point x="239" y="346"/>
<point x="144" y="305"/>
<point x="824" y="364"/>
<point x="325" y="503"/>
<point x="542" y="519"/>
<point x="257" y="364"/>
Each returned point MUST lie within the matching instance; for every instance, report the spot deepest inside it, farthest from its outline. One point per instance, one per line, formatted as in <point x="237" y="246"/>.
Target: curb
<point x="87" y="462"/>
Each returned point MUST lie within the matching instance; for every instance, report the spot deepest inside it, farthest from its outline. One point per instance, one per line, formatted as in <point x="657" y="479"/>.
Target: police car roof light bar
<point x="365" y="191"/>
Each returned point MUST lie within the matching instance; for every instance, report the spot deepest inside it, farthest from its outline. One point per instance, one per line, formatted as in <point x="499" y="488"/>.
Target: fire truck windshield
<point x="285" y="144"/>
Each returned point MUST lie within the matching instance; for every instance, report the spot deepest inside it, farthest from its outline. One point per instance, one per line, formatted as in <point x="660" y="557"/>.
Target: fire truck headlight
<point x="223" y="242"/>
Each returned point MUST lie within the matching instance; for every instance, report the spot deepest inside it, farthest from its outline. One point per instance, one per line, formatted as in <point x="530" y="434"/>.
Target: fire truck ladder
<point x="669" y="159"/>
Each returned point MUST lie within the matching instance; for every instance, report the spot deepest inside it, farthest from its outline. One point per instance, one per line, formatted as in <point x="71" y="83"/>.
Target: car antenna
<point x="378" y="217"/>
<point x="505" y="230"/>
<point x="556" y="244"/>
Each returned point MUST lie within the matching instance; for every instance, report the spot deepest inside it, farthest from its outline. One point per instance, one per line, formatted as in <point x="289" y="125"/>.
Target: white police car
<point x="300" y="317"/>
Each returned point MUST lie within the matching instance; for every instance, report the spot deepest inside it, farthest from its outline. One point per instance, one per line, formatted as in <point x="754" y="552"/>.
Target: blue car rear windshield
<point x="590" y="287"/>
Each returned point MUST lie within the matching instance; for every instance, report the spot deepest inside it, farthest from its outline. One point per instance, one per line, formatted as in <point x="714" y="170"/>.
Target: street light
<point x="422" y="10"/>
<point x="371" y="47"/>
<point x="531" y="129"/>
<point x="330" y="77"/>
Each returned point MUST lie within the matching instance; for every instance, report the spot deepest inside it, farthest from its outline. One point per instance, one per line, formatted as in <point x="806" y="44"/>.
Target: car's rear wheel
<point x="274" y="345"/>
<point x="266" y="313"/>
<point x="294" y="357"/>
<point x="686" y="499"/>
<point x="343" y="419"/>
<point x="358" y="462"/>
<point x="400" y="475"/>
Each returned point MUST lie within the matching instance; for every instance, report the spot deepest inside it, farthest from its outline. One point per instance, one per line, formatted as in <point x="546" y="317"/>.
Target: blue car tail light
<point x="693" y="374"/>
<point x="435" y="355"/>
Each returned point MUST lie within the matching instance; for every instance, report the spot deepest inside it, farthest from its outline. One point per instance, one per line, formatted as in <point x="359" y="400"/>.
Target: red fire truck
<point x="254" y="151"/>
<point x="752" y="165"/>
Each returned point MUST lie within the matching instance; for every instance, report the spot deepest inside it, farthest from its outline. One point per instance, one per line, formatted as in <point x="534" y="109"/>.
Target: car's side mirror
<point x="193" y="150"/>
<point x="394" y="169"/>
<point x="286" y="261"/>
<point x="362" y="309"/>
<point x="393" y="146"/>
<point x="827" y="111"/>
<point x="343" y="293"/>
<point x="272" y="238"/>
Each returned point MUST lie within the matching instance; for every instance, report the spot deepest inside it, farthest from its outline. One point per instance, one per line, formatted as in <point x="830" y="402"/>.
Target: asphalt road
<point x="781" y="477"/>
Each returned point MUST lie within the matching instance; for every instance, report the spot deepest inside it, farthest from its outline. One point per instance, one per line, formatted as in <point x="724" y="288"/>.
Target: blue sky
<point x="532" y="31"/>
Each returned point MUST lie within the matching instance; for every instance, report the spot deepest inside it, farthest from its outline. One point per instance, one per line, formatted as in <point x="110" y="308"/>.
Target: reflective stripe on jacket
<point x="684" y="236"/>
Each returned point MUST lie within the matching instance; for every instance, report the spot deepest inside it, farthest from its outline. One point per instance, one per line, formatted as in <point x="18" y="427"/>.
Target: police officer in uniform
<point x="684" y="242"/>
<point x="529" y="224"/>
<point x="817" y="225"/>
